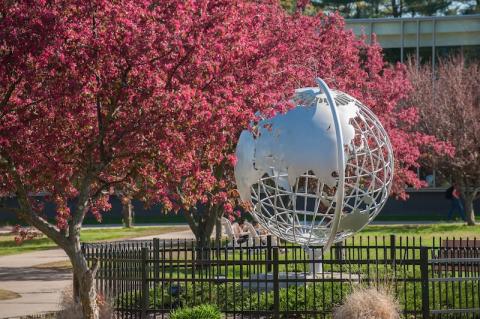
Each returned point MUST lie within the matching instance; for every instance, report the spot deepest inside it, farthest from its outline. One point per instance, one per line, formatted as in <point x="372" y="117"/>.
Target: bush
<point x="199" y="312"/>
<point x="232" y="296"/>
<point x="368" y="303"/>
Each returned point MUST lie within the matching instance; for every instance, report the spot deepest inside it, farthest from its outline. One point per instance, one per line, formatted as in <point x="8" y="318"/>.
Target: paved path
<point x="186" y="234"/>
<point x="41" y="289"/>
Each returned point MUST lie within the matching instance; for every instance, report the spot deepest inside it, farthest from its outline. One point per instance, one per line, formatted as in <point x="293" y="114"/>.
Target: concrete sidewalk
<point x="185" y="234"/>
<point x="40" y="289"/>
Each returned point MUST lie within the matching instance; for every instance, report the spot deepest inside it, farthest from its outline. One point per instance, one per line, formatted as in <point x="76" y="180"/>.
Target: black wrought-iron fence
<point x="147" y="279"/>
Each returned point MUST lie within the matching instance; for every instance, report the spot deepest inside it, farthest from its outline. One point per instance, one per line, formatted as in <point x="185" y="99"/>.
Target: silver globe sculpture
<point x="318" y="173"/>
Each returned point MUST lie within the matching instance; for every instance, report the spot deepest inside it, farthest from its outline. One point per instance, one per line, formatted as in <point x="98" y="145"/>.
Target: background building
<point x="424" y="38"/>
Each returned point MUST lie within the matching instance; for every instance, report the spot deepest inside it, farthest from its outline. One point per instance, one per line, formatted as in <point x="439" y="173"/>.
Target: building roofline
<point x="434" y="18"/>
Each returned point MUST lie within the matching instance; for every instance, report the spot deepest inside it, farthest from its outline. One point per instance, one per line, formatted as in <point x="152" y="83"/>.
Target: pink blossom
<point x="154" y="97"/>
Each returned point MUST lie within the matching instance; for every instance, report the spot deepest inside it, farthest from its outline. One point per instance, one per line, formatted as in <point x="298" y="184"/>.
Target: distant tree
<point x="470" y="7"/>
<point x="347" y="8"/>
<point x="289" y="5"/>
<point x="125" y="198"/>
<point x="396" y="8"/>
<point x="426" y="7"/>
<point x="127" y="211"/>
<point x="359" y="69"/>
<point x="353" y="9"/>
<point x="449" y="108"/>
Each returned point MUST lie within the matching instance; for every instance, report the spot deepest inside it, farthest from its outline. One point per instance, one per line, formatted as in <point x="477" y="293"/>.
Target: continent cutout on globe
<point x="301" y="140"/>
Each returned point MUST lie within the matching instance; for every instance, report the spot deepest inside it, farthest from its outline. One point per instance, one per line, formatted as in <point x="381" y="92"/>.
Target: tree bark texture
<point x="202" y="220"/>
<point x="218" y="230"/>
<point x="127" y="212"/>
<point x="469" y="197"/>
<point x="85" y="282"/>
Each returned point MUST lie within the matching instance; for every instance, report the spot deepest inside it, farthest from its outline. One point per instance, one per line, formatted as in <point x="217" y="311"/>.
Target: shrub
<point x="232" y="296"/>
<point x="205" y="311"/>
<point x="73" y="310"/>
<point x="368" y="303"/>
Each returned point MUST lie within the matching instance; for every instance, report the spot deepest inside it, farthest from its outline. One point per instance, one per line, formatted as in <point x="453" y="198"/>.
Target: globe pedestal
<point x="316" y="266"/>
<point x="265" y="282"/>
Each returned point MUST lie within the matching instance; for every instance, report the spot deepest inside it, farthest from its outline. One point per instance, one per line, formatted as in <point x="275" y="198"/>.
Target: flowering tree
<point x="308" y="47"/>
<point x="252" y="74"/>
<point x="100" y="96"/>
<point x="449" y="108"/>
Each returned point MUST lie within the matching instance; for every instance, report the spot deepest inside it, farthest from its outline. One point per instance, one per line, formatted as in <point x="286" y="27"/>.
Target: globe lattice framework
<point x="308" y="212"/>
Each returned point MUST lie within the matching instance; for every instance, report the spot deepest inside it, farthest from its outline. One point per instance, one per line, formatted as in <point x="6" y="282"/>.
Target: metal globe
<point x="318" y="173"/>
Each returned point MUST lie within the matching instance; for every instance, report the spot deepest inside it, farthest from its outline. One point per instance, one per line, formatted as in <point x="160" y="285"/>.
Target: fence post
<point x="339" y="252"/>
<point x="276" y="285"/>
<point x="144" y="266"/>
<point x="111" y="276"/>
<point x="269" y="253"/>
<point x="393" y="249"/>
<point x="156" y="257"/>
<point x="425" y="282"/>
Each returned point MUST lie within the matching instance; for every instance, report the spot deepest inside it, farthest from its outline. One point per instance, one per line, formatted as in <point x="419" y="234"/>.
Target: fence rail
<point x="147" y="279"/>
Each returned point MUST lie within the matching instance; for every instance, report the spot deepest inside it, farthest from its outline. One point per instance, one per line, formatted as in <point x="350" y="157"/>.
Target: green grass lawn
<point x="116" y="220"/>
<point x="427" y="232"/>
<point x="8" y="245"/>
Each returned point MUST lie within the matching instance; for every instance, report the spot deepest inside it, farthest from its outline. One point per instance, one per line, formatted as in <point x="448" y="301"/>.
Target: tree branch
<point x="9" y="93"/>
<point x="22" y="107"/>
<point x="476" y="193"/>
<point x="101" y="130"/>
<point x="106" y="184"/>
<point x="81" y="208"/>
<point x="168" y="84"/>
<point x="26" y="211"/>
<point x="211" y="220"/>
<point x="191" y="223"/>
<point x="114" y="108"/>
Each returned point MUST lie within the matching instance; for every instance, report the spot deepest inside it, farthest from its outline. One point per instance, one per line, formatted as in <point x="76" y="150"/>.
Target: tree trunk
<point x="218" y="230"/>
<point x="87" y="293"/>
<point x="394" y="9"/>
<point x="201" y="220"/>
<point x="469" y="197"/>
<point x="203" y="242"/>
<point x="84" y="280"/>
<point x="127" y="212"/>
